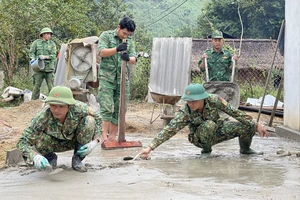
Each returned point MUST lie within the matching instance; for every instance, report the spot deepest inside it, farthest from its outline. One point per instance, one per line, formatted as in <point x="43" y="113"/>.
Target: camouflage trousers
<point x="38" y="78"/>
<point x="83" y="135"/>
<point x="109" y="100"/>
<point x="209" y="133"/>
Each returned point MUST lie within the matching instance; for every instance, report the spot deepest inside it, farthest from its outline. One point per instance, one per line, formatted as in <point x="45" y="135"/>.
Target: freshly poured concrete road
<point x="175" y="171"/>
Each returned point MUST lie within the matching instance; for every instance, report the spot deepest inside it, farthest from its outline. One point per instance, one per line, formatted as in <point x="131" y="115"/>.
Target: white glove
<point x="87" y="148"/>
<point x="40" y="162"/>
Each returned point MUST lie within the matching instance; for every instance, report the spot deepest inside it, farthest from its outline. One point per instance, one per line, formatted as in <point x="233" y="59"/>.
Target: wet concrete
<point x="175" y="171"/>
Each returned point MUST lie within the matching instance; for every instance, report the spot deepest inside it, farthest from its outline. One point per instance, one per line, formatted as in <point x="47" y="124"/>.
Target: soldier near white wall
<point x="201" y="115"/>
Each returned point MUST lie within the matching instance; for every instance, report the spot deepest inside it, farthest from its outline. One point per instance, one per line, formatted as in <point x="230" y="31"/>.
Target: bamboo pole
<point x="267" y="81"/>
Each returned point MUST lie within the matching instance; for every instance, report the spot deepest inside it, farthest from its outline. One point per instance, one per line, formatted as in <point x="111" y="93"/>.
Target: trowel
<point x="131" y="158"/>
<point x="53" y="171"/>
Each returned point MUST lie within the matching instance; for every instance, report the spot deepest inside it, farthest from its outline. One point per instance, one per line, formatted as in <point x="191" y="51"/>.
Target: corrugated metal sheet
<point x="170" y="66"/>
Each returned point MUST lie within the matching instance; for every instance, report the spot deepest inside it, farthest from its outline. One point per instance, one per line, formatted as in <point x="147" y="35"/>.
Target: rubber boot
<point x="76" y="160"/>
<point x="52" y="159"/>
<point x="245" y="147"/>
<point x="206" y="151"/>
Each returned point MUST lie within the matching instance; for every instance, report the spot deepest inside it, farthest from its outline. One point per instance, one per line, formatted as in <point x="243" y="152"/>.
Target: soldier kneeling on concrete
<point x="201" y="115"/>
<point x="65" y="124"/>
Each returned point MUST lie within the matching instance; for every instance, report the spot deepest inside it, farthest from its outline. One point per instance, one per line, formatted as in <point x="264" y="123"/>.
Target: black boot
<point x="245" y="147"/>
<point x="76" y="160"/>
<point x="52" y="159"/>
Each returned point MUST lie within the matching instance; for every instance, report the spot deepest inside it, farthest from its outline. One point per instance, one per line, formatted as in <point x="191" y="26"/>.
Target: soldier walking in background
<point x="45" y="50"/>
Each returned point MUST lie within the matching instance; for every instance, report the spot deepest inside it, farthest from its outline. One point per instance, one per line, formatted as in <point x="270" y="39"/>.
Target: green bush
<point x="256" y="91"/>
<point x="141" y="76"/>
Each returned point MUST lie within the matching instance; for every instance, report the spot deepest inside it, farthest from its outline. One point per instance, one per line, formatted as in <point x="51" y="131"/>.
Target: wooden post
<point x="122" y="108"/>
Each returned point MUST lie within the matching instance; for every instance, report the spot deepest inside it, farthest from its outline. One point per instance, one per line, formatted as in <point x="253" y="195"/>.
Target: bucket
<point x="27" y="95"/>
<point x="38" y="65"/>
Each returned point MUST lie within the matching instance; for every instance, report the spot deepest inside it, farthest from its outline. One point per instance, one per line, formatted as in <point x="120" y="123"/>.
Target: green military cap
<point x="60" y="95"/>
<point x="194" y="92"/>
<point x="217" y="34"/>
<point x="46" y="30"/>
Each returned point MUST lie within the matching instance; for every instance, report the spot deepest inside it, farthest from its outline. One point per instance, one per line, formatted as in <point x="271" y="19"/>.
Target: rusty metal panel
<point x="170" y="66"/>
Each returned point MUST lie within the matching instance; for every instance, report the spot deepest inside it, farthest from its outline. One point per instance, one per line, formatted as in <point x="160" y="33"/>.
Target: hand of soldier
<point x="234" y="57"/>
<point x="144" y="153"/>
<point x="40" y="162"/>
<point x="125" y="56"/>
<point x="87" y="148"/>
<point x="262" y="131"/>
<point x="42" y="57"/>
<point x="122" y="47"/>
<point x="204" y="56"/>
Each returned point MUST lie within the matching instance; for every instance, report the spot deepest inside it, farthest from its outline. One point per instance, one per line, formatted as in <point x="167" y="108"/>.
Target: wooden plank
<point x="122" y="108"/>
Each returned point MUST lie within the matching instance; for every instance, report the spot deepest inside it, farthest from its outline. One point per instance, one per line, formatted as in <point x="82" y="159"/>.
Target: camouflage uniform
<point x="208" y="129"/>
<point x="218" y="65"/>
<point x="110" y="76"/>
<point x="47" y="48"/>
<point x="46" y="134"/>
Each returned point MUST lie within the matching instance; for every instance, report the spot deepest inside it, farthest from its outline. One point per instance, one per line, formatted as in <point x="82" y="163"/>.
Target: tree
<point x="106" y="15"/>
<point x="261" y="19"/>
<point x="21" y="22"/>
<point x="184" y="31"/>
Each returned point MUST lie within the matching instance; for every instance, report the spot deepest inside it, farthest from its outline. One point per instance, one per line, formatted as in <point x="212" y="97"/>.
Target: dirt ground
<point x="16" y="119"/>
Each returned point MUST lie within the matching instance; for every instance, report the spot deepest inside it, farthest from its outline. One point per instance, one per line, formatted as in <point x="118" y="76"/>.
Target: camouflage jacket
<point x="45" y="123"/>
<point x="186" y="117"/>
<point x="46" y="48"/>
<point x="218" y="65"/>
<point x="110" y="68"/>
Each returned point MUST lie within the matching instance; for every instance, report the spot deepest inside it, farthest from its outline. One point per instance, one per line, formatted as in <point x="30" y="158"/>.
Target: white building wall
<point x="292" y="65"/>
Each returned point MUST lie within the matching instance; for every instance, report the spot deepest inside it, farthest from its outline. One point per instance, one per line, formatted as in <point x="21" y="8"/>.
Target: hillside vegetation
<point x="168" y="17"/>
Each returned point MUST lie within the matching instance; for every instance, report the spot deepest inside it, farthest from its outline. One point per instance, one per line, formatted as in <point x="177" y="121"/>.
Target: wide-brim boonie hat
<point x="60" y="95"/>
<point x="194" y="92"/>
<point x="46" y="30"/>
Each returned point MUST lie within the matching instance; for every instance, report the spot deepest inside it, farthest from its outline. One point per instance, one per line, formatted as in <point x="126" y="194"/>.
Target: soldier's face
<point x="196" y="105"/>
<point x="46" y="36"/>
<point x="123" y="33"/>
<point x="59" y="111"/>
<point x="217" y="43"/>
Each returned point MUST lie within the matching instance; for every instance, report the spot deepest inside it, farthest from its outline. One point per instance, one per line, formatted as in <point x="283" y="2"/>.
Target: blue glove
<point x="87" y="148"/>
<point x="31" y="61"/>
<point x="40" y="162"/>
